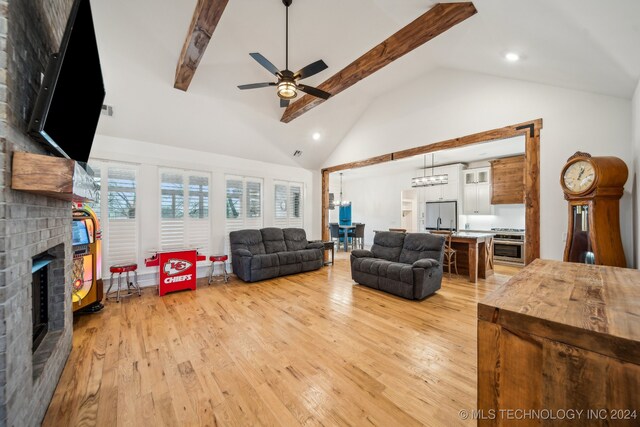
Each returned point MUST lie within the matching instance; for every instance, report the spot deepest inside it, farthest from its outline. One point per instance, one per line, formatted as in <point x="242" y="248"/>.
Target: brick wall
<point x="30" y="30"/>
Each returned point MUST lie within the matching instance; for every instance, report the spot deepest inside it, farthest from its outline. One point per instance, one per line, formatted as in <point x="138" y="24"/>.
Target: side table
<point x="329" y="245"/>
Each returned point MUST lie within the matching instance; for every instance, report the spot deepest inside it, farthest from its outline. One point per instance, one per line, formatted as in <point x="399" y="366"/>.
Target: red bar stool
<point x="224" y="276"/>
<point x="121" y="269"/>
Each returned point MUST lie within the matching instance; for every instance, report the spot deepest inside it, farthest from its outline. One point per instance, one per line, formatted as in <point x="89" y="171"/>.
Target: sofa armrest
<point x="361" y="253"/>
<point x="425" y="263"/>
<point x="242" y="252"/>
<point x="315" y="245"/>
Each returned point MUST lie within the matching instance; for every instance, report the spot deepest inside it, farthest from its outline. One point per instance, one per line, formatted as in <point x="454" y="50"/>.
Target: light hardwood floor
<point x="307" y="349"/>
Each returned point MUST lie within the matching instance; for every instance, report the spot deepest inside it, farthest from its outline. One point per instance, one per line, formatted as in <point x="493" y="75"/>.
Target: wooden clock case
<point x="602" y="199"/>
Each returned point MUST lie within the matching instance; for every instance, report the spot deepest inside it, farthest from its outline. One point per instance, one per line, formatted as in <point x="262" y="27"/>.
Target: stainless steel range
<point x="508" y="246"/>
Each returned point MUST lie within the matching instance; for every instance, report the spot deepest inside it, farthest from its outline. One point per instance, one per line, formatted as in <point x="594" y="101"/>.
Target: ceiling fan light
<point x="287" y="90"/>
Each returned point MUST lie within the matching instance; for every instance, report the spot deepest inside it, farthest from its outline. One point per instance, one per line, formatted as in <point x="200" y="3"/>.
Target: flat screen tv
<point x="67" y="110"/>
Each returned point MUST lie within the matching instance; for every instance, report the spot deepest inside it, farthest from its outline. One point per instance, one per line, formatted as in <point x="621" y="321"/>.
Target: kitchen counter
<point x="473" y="234"/>
<point x="474" y="253"/>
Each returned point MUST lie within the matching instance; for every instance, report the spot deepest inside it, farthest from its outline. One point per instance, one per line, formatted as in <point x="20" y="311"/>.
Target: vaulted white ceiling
<point x="582" y="44"/>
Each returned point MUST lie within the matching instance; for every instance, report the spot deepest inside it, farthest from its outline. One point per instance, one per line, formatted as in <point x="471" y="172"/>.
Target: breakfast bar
<point x="474" y="254"/>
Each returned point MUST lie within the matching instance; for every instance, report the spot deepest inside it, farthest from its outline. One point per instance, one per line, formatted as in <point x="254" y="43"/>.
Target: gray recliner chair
<point x="407" y="265"/>
<point x="272" y="252"/>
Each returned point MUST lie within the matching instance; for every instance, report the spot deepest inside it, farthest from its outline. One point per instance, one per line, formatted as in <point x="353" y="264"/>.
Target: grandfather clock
<point x="593" y="187"/>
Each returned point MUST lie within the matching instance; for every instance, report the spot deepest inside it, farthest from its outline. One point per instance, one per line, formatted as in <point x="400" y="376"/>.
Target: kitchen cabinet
<point x="477" y="192"/>
<point x="507" y="181"/>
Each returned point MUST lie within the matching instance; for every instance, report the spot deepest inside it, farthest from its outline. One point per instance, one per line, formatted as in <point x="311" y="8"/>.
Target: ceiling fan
<point x="287" y="84"/>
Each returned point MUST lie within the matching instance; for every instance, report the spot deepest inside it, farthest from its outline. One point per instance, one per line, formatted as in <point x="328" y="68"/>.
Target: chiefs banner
<point x="177" y="271"/>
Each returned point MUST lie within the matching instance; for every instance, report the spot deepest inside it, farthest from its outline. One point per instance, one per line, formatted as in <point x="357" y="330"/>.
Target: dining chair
<point x="450" y="255"/>
<point x="334" y="232"/>
<point x="357" y="235"/>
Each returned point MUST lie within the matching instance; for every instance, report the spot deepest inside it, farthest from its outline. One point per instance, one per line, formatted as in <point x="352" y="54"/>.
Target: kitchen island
<point x="474" y="255"/>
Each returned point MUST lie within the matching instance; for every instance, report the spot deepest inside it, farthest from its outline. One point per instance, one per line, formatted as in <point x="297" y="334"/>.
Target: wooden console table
<point x="561" y="336"/>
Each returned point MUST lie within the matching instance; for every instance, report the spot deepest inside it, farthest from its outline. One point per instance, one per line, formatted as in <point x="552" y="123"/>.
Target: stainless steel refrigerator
<point x="441" y="216"/>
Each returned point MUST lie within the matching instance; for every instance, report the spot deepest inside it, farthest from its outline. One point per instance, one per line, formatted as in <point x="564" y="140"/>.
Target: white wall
<point x="446" y="104"/>
<point x="636" y="171"/>
<point x="376" y="200"/>
<point x="504" y="216"/>
<point x="150" y="157"/>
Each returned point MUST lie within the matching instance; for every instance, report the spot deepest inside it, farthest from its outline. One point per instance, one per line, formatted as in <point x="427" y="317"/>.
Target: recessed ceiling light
<point x="316" y="136"/>
<point x="511" y="56"/>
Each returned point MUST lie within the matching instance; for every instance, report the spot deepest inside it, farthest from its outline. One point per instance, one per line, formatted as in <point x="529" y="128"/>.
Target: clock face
<point x="579" y="176"/>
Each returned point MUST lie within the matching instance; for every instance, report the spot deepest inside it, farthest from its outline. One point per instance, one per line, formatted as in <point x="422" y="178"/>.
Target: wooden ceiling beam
<point x="435" y="21"/>
<point x="203" y="24"/>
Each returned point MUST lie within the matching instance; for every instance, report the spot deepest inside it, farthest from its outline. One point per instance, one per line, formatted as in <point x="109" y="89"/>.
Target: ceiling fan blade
<point x="265" y="63"/>
<point x="284" y="103"/>
<point x="314" y="91"/>
<point x="256" y="85"/>
<point x="311" y="69"/>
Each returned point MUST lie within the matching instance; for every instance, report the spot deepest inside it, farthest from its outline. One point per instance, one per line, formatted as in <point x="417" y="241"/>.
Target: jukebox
<point x="86" y="282"/>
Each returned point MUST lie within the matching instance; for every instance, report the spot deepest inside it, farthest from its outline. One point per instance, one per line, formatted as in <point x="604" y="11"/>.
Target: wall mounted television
<point x="68" y="107"/>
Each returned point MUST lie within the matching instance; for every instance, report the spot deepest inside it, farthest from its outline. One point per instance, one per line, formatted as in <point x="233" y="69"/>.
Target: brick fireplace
<point x="31" y="226"/>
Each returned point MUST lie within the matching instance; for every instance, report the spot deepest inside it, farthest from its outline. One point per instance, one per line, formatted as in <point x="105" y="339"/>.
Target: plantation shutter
<point x="243" y="205"/>
<point x="172" y="224"/>
<point x="122" y="227"/>
<point x="288" y="205"/>
<point x="280" y="215"/>
<point x="179" y="228"/>
<point x="198" y="222"/>
<point x="95" y="205"/>
<point x="295" y="205"/>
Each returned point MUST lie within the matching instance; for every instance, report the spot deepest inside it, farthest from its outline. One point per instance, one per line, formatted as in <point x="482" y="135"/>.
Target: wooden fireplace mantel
<point x="50" y="176"/>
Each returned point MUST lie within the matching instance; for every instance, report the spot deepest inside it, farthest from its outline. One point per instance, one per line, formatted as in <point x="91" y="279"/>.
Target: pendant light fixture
<point x="428" y="181"/>
<point x="342" y="202"/>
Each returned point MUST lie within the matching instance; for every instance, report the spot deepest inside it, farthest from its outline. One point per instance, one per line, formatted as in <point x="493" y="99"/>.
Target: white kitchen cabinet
<point x="477" y="192"/>
<point x="483" y="206"/>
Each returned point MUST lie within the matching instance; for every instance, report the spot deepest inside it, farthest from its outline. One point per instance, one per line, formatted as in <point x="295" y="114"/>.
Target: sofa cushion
<point x="400" y="273"/>
<point x="295" y="238"/>
<point x="305" y="255"/>
<point x="264" y="261"/>
<point x="387" y="245"/>
<point x="372" y="266"/>
<point x="250" y="240"/>
<point x="421" y="245"/>
<point x="286" y="258"/>
<point x="273" y="240"/>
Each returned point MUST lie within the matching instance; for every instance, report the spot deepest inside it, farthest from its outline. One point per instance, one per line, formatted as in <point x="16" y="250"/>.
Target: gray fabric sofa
<point x="272" y="252"/>
<point x="407" y="265"/>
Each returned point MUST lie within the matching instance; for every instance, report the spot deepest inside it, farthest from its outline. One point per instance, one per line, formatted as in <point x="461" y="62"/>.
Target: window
<point x="115" y="207"/>
<point x="122" y="225"/>
<point x="288" y="204"/>
<point x="121" y="193"/>
<point x="95" y="205"/>
<point x="180" y="229"/>
<point x="244" y="204"/>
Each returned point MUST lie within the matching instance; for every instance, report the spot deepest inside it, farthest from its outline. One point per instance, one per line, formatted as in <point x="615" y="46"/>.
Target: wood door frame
<point x="531" y="132"/>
